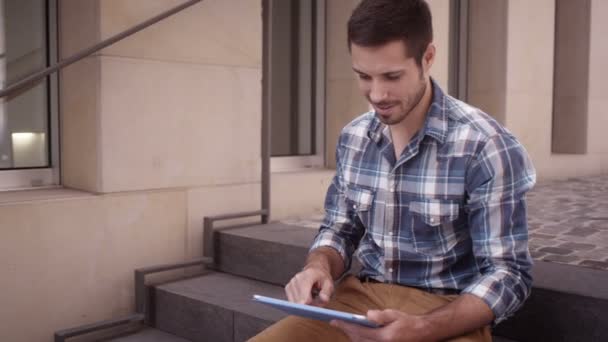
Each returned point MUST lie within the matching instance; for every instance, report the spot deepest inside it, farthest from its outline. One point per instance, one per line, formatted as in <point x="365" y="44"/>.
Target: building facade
<point x="164" y="128"/>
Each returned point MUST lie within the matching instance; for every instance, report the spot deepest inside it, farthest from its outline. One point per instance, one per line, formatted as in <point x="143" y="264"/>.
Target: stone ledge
<point x="41" y="195"/>
<point x="577" y="280"/>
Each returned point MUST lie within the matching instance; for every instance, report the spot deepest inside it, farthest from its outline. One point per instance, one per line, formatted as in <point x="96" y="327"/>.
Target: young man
<point x="429" y="192"/>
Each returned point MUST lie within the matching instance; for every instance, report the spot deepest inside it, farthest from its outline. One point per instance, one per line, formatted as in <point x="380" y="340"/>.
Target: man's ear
<point x="428" y="58"/>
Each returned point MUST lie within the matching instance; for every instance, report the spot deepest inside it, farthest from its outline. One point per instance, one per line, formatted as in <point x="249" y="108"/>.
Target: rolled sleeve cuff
<point x="491" y="289"/>
<point x="330" y="239"/>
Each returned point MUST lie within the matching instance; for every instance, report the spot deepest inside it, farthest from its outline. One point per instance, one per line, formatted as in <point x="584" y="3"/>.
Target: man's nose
<point x="378" y="92"/>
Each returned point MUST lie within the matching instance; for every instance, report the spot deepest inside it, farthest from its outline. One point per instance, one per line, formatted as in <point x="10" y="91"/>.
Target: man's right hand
<point x="313" y="278"/>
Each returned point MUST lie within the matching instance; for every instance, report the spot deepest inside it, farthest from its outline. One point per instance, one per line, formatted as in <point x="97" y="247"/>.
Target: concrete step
<point x="217" y="307"/>
<point x="148" y="335"/>
<point x="214" y="307"/>
<point x="272" y="253"/>
<point x="566" y="303"/>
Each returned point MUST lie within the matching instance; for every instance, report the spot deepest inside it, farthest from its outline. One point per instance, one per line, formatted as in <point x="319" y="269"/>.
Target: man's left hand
<point x="396" y="326"/>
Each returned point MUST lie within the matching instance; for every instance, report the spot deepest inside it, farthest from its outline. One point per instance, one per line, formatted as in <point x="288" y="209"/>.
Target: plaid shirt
<point x="448" y="215"/>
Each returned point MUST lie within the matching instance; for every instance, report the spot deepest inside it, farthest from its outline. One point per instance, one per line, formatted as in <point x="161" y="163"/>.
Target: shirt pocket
<point x="433" y="225"/>
<point x="360" y="202"/>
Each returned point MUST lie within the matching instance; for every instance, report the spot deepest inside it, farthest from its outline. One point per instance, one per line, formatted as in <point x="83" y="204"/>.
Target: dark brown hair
<point x="377" y="22"/>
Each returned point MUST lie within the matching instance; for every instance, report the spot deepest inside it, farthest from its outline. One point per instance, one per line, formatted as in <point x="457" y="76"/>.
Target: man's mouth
<point x="384" y="108"/>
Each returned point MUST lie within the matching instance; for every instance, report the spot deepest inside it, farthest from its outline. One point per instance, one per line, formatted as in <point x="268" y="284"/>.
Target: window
<point x="294" y="81"/>
<point x="28" y="118"/>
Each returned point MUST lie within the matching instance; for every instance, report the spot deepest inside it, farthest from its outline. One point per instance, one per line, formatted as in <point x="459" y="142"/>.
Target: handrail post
<point x="266" y="139"/>
<point x="140" y="289"/>
<point x="208" y="243"/>
<point x="142" y="293"/>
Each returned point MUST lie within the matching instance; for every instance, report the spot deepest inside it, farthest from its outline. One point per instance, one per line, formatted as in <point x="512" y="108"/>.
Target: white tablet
<point x="314" y="312"/>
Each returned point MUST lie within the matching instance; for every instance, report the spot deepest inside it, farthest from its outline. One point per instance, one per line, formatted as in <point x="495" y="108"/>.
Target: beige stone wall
<point x="79" y="95"/>
<point x="152" y="110"/>
<point x="440" y="10"/>
<point x="177" y="105"/>
<point x="343" y="100"/>
<point x="180" y="100"/>
<point x="598" y="73"/>
<point x="299" y="194"/>
<point x="529" y="94"/>
<point x="486" y="72"/>
<point x="165" y="128"/>
<point x="70" y="262"/>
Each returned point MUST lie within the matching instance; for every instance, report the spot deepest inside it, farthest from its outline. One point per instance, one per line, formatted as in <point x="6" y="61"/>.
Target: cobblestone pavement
<point x="568" y="221"/>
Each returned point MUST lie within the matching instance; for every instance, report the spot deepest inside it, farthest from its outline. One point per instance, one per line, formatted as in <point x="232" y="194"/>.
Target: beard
<point x="408" y="104"/>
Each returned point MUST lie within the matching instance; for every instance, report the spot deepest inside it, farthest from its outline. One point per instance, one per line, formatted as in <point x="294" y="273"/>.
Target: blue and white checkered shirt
<point x="448" y="215"/>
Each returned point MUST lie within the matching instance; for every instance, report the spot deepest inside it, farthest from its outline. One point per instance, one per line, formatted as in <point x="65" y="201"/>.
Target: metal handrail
<point x="142" y="306"/>
<point x="24" y="82"/>
<point x="63" y="335"/>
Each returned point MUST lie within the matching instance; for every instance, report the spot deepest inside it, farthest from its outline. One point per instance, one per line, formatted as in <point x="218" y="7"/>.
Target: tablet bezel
<point x="314" y="312"/>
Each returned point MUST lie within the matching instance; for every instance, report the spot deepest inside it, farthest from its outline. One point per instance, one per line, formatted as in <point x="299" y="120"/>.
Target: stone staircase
<point x="567" y="304"/>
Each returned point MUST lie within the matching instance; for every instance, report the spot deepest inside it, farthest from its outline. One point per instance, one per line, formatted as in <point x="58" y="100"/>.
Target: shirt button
<point x="390" y="270"/>
<point x="390" y="233"/>
<point x="432" y="220"/>
<point x="354" y="206"/>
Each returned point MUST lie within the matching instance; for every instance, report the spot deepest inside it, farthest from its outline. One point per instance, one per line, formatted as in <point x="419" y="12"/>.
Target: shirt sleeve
<point x="339" y="230"/>
<point x="497" y="182"/>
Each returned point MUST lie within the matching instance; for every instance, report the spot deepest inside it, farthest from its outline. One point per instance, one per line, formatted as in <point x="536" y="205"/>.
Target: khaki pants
<point x="354" y="296"/>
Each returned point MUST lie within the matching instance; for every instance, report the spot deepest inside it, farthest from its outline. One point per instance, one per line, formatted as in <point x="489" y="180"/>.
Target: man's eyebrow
<point x="392" y="72"/>
<point x="358" y="71"/>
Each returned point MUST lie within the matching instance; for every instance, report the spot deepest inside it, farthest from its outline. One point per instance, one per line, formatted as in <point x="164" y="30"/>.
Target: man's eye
<point x="364" y="77"/>
<point x="393" y="77"/>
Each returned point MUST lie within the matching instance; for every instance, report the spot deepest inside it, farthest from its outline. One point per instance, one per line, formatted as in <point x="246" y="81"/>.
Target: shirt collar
<point x="435" y="124"/>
